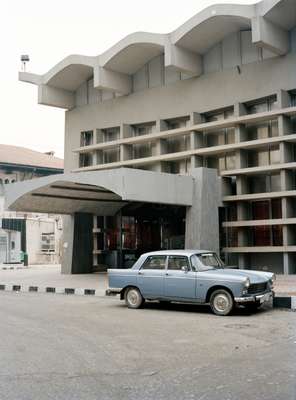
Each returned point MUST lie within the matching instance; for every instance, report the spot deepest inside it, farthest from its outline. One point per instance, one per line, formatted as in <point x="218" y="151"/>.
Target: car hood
<point x="234" y="274"/>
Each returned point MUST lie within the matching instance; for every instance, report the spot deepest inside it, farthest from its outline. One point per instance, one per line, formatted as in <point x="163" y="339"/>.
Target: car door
<point x="151" y="276"/>
<point x="179" y="280"/>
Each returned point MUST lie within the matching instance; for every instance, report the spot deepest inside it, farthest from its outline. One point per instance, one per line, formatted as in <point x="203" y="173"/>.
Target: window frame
<point x="155" y="269"/>
<point x="178" y="256"/>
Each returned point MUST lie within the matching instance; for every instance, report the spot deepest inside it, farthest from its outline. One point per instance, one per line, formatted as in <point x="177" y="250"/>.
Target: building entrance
<point x="138" y="228"/>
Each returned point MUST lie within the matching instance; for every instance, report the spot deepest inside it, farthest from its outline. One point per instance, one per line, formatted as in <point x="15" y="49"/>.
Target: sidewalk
<point x="50" y="276"/>
<point x="285" y="285"/>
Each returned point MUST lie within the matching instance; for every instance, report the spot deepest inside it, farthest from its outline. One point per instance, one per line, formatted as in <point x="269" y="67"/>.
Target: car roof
<point x="187" y="253"/>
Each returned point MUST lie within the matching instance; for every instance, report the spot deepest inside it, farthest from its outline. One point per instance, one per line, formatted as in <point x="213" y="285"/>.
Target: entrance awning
<point x="98" y="192"/>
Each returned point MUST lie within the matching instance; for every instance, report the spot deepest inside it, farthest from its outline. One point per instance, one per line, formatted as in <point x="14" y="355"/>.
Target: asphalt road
<point x="86" y="348"/>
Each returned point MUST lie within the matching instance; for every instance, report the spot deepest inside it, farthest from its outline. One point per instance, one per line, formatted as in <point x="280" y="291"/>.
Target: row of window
<point x="254" y="131"/>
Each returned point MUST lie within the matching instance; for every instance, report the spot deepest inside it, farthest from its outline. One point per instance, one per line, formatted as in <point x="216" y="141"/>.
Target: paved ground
<point x="50" y="275"/>
<point x="82" y="348"/>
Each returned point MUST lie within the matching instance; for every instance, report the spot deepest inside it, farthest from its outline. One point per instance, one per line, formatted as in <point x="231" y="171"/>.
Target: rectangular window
<point x="143" y="129"/>
<point x="85" y="160"/>
<point x="177" y="263"/>
<point x="176" y="123"/>
<point x="86" y="138"/>
<point x="261" y="105"/>
<point x="111" y="134"/>
<point x="47" y="243"/>
<point x="142" y="150"/>
<point x="155" y="262"/>
<point x="111" y="155"/>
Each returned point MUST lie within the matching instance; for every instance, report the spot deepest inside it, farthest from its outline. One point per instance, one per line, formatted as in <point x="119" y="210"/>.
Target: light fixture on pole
<point x="24" y="58"/>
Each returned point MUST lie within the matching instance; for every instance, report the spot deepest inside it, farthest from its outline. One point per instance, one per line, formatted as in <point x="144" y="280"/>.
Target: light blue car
<point x="190" y="276"/>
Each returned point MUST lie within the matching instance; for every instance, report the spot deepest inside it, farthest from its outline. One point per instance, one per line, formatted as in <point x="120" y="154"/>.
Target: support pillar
<point x="202" y="220"/>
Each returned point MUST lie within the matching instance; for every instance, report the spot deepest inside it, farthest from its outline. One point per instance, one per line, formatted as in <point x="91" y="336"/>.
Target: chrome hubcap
<point x="133" y="297"/>
<point x="221" y="302"/>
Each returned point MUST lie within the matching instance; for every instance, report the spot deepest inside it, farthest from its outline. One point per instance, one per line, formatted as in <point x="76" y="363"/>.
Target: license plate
<point x="265" y="298"/>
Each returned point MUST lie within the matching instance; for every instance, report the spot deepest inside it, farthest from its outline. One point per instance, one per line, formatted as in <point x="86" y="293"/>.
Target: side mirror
<point x="184" y="269"/>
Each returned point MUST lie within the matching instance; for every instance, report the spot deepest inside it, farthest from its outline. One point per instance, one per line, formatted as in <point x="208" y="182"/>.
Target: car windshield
<point x="206" y="262"/>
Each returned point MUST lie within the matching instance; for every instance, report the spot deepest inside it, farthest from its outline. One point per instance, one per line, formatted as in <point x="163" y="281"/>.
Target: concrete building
<point x="38" y="235"/>
<point x="217" y="96"/>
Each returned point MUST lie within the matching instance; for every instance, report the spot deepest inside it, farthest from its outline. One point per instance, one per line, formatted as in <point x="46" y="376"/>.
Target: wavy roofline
<point x="116" y="63"/>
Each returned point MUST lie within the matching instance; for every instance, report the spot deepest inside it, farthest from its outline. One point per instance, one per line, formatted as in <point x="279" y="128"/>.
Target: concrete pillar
<point x="202" y="221"/>
<point x="67" y="244"/>
<point x="77" y="257"/>
<point x="243" y="261"/>
<point x="283" y="99"/>
<point x="126" y="152"/>
<point x="286" y="264"/>
<point x="239" y="109"/>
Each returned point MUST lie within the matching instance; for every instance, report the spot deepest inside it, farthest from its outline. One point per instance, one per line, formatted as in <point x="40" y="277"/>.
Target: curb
<point x="7" y="287"/>
<point x="9" y="267"/>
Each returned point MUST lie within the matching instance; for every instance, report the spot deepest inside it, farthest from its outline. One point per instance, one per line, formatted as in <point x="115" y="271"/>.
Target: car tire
<point x="221" y="302"/>
<point x="133" y="298"/>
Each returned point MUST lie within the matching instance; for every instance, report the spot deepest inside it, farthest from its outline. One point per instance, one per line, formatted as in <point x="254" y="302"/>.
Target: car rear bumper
<point x="113" y="292"/>
<point x="260" y="298"/>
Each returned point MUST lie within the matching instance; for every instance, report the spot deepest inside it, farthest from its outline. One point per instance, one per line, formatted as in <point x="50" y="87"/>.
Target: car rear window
<point x="154" y="262"/>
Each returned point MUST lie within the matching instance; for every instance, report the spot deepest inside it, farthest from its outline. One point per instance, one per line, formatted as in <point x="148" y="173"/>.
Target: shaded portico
<point x="81" y="196"/>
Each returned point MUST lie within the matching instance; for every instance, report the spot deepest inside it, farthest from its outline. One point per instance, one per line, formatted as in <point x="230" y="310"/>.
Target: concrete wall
<point x="35" y="227"/>
<point x="207" y="92"/>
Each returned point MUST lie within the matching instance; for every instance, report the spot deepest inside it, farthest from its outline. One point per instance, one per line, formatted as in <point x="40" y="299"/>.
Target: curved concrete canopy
<point x="210" y="26"/>
<point x="181" y="47"/>
<point x="98" y="192"/>
<point x="133" y="51"/>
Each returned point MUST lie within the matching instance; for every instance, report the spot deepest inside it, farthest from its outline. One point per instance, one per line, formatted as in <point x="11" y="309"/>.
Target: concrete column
<point x="243" y="261"/>
<point x="196" y="140"/>
<point x="202" y="221"/>
<point x="126" y="152"/>
<point x="239" y="109"/>
<point x="67" y="244"/>
<point x="125" y="131"/>
<point x="82" y="260"/>
<point x="161" y="125"/>
<point x="77" y="257"/>
<point x="286" y="264"/>
<point x="283" y="99"/>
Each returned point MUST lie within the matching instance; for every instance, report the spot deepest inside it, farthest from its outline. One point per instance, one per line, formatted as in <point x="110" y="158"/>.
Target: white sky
<point x="49" y="31"/>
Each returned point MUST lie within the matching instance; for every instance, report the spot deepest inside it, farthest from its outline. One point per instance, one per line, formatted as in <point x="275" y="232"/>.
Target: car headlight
<point x="272" y="279"/>
<point x="247" y="283"/>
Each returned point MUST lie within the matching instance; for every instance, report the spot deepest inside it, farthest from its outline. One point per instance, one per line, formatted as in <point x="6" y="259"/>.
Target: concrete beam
<point x="112" y="81"/>
<point x="182" y="60"/>
<point x="269" y="36"/>
<point x="50" y="96"/>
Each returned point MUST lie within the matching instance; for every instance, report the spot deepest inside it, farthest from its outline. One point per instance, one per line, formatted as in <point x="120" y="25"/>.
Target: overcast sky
<point x="49" y="31"/>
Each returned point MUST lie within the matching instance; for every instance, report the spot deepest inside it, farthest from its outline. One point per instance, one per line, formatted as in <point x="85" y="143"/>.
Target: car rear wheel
<point x="221" y="302"/>
<point x="133" y="298"/>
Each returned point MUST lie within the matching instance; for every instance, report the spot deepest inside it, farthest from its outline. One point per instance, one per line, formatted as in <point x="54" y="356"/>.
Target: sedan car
<point x="190" y="276"/>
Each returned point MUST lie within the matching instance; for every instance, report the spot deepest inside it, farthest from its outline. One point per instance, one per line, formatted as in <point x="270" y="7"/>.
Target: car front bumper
<point x="260" y="298"/>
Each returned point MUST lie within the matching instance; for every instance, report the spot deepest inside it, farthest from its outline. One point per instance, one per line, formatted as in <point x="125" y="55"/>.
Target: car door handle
<point x="167" y="273"/>
<point x="140" y="273"/>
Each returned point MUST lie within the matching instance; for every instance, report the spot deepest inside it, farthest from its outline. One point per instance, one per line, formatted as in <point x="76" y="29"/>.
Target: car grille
<point x="257" y="288"/>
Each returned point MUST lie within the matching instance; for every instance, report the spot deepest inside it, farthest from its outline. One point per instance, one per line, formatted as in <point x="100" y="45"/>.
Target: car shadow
<point x="196" y="308"/>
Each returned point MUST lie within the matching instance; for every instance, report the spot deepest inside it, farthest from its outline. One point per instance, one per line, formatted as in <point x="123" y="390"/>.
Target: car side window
<point x="154" y="262"/>
<point x="176" y="263"/>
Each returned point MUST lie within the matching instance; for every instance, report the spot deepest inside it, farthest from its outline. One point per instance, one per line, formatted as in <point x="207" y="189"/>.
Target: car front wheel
<point x="133" y="298"/>
<point x="221" y="302"/>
